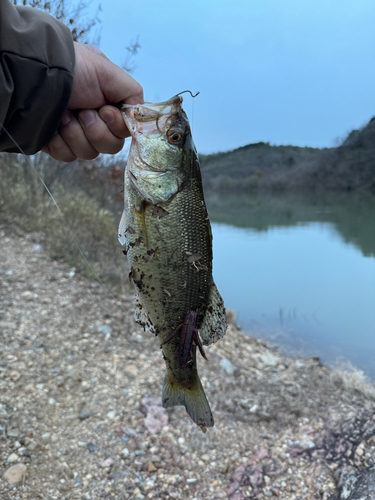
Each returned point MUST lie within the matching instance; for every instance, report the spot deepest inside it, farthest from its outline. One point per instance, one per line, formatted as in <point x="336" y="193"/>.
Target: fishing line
<point x="71" y="234"/>
<point x="191" y="129"/>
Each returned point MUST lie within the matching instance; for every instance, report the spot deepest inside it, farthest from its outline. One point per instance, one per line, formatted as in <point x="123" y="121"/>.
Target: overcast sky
<point x="298" y="72"/>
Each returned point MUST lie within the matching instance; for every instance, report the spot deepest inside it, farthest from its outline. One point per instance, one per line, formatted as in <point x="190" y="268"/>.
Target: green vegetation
<point x="264" y="168"/>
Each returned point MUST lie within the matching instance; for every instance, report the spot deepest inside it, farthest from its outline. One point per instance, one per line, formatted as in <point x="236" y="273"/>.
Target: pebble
<point x="12" y="458"/>
<point x="15" y="375"/>
<point x="29" y="295"/>
<point x="85" y="385"/>
<point x="269" y="359"/>
<point x="84" y="414"/>
<point x="228" y="366"/>
<point x="13" y="433"/>
<point x="253" y="425"/>
<point x="107" y="463"/>
<point x="105" y="329"/>
<point x="15" y="474"/>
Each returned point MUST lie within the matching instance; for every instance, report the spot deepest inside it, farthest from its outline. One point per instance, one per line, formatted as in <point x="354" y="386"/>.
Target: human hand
<point x="95" y="126"/>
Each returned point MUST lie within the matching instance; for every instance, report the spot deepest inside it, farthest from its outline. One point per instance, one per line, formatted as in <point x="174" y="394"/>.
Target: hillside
<point x="265" y="168"/>
<point x="245" y="168"/>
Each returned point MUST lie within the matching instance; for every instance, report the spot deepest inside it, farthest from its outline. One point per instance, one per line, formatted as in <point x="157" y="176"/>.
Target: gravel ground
<point x="80" y="414"/>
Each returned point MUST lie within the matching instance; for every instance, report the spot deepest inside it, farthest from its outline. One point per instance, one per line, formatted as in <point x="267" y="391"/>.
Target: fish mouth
<point x="150" y="117"/>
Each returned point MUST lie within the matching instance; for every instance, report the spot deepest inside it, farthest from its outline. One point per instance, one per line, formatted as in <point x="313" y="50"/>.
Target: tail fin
<point x="195" y="402"/>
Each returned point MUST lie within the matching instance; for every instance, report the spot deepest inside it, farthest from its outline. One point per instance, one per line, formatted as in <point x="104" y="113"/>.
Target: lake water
<point x="300" y="272"/>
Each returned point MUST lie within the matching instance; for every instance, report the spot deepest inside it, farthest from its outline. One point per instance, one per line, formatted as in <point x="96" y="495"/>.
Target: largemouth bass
<point x="167" y="237"/>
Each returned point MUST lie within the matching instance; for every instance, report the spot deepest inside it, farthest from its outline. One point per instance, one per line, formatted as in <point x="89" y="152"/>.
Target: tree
<point x="73" y="15"/>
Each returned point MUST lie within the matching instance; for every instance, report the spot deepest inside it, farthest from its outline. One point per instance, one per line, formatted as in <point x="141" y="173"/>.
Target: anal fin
<point x="214" y="324"/>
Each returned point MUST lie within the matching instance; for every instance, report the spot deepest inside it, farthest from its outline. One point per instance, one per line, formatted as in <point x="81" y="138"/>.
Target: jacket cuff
<point x="36" y="72"/>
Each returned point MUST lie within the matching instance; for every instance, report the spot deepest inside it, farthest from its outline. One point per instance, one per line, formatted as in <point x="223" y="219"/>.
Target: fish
<point x="166" y="234"/>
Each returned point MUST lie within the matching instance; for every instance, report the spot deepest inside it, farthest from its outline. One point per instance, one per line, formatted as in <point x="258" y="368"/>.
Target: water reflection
<point x="300" y="272"/>
<point x="352" y="215"/>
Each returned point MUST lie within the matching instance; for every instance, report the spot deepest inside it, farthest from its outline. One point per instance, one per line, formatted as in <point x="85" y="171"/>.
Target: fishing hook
<point x="190" y="92"/>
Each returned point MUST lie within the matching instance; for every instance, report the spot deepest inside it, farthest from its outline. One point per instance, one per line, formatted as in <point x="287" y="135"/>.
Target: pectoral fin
<point x="121" y="229"/>
<point x="141" y="316"/>
<point x="214" y="324"/>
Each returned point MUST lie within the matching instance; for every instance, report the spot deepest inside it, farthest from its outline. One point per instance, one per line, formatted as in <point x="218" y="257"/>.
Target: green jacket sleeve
<point x="36" y="76"/>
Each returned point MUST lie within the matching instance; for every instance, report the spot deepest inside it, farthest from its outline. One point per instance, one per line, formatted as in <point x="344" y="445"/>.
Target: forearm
<point x="36" y="76"/>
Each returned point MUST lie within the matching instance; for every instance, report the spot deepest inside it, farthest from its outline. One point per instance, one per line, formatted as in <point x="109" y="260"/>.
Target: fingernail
<point x="87" y="118"/>
<point x="65" y="118"/>
<point x="108" y="117"/>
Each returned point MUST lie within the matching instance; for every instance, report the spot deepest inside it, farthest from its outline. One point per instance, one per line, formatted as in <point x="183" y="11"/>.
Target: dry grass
<point x="83" y="221"/>
<point x="352" y="379"/>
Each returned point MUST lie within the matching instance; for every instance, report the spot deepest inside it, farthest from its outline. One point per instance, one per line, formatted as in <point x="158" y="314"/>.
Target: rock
<point x="228" y="366"/>
<point x="8" y="325"/>
<point x="84" y="414"/>
<point x="360" y="449"/>
<point x="107" y="463"/>
<point x="138" y="494"/>
<point x="131" y="369"/>
<point x="29" y="295"/>
<point x="111" y="415"/>
<point x="269" y="359"/>
<point x="13" y="433"/>
<point x="12" y="458"/>
<point x="15" y="375"/>
<point x="51" y="401"/>
<point x="254" y="408"/>
<point x="85" y="385"/>
<point x="156" y="415"/>
<point x="125" y="452"/>
<point x="105" y="329"/>
<point x="15" y="474"/>
<point x="91" y="447"/>
<point x="3" y="411"/>
<point x="151" y="467"/>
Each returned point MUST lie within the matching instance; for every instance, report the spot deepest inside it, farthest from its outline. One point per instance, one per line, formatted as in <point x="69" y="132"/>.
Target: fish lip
<point x="176" y="99"/>
<point x="157" y="111"/>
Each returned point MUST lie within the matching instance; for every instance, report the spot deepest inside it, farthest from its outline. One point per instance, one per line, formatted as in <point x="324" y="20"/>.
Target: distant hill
<point x="262" y="167"/>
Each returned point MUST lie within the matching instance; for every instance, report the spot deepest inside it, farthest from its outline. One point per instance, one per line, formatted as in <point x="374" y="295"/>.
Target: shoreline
<point x="81" y="415"/>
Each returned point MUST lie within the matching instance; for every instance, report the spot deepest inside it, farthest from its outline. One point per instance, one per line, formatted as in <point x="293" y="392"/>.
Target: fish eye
<point x="174" y="137"/>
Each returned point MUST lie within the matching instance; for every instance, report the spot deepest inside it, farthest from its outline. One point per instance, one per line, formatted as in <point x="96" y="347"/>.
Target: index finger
<point x="119" y="86"/>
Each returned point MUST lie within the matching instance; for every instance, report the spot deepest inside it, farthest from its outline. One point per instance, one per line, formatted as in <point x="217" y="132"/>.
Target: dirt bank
<point x="78" y="380"/>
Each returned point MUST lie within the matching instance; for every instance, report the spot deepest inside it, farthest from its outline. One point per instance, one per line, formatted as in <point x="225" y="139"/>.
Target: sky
<point x="298" y="72"/>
